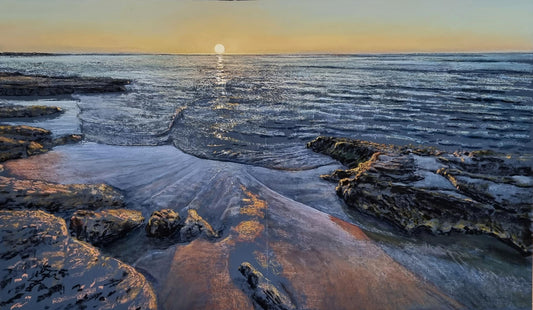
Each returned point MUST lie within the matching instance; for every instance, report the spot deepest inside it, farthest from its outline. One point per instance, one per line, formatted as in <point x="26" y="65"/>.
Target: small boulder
<point x="196" y="225"/>
<point x="101" y="227"/>
<point x="266" y="295"/>
<point x="162" y="223"/>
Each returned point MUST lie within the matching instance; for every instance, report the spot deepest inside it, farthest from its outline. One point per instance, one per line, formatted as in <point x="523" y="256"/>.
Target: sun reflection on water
<point x="220" y="75"/>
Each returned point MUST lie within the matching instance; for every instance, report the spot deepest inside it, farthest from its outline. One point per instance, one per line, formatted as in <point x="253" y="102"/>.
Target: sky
<point x="266" y="26"/>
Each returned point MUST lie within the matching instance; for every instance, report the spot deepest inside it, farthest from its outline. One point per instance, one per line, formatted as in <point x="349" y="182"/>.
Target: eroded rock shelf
<point x="424" y="188"/>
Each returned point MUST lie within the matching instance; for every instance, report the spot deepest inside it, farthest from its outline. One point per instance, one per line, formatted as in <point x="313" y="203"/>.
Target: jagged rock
<point x="194" y="226"/>
<point x="417" y="188"/>
<point x="17" y="84"/>
<point x="41" y="267"/>
<point x="33" y="194"/>
<point x="68" y="139"/>
<point x="23" y="141"/>
<point x="28" y="111"/>
<point x="163" y="223"/>
<point x="266" y="295"/>
<point x="22" y="132"/>
<point x="101" y="227"/>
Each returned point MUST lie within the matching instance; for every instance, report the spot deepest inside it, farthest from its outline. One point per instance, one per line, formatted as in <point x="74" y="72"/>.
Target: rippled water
<point x="262" y="110"/>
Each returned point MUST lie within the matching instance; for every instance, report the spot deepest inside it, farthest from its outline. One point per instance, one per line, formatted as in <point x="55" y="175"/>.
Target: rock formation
<point x="194" y="226"/>
<point x="41" y="267"/>
<point x="266" y="295"/>
<point x="52" y="197"/>
<point x="101" y="227"/>
<point x="163" y="223"/>
<point x="424" y="188"/>
<point x="23" y="141"/>
<point x="17" y="84"/>
<point x="15" y="111"/>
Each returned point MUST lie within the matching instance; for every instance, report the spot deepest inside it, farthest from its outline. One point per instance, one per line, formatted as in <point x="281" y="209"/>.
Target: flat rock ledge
<point x="20" y="141"/>
<point x="41" y="267"/>
<point x="53" y="197"/>
<point x="16" y="111"/>
<point x="18" y="84"/>
<point x="478" y="192"/>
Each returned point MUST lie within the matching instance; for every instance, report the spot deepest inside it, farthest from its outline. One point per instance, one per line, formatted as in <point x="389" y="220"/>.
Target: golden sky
<point x="266" y="26"/>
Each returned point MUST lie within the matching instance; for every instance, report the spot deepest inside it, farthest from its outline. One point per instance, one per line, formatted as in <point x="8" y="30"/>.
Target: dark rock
<point x="418" y="188"/>
<point x="26" y="133"/>
<point x="32" y="194"/>
<point x="41" y="267"/>
<point x="266" y="295"/>
<point x="23" y="141"/>
<point x="68" y="139"/>
<point x="17" y="84"/>
<point x="28" y="111"/>
<point x="194" y="226"/>
<point x="163" y="223"/>
<point x="101" y="227"/>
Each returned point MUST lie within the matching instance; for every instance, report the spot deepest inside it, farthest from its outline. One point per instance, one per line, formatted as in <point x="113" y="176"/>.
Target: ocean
<point x="261" y="110"/>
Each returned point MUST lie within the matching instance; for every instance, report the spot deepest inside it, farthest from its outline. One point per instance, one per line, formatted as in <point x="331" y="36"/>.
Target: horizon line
<point x="12" y="53"/>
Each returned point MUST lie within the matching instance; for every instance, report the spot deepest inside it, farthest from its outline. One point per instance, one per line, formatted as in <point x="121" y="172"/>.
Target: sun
<point x="220" y="49"/>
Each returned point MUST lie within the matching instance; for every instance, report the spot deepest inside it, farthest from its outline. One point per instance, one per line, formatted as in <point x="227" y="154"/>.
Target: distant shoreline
<point x="40" y="54"/>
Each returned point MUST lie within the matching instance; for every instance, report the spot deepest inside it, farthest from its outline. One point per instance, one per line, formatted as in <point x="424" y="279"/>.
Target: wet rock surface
<point x="33" y="194"/>
<point x="195" y="226"/>
<point x="41" y="267"/>
<point x="17" y="84"/>
<point x="163" y="223"/>
<point x="266" y="295"/>
<point x="424" y="188"/>
<point x="16" y="111"/>
<point x="102" y="227"/>
<point x="307" y="259"/>
<point x="22" y="141"/>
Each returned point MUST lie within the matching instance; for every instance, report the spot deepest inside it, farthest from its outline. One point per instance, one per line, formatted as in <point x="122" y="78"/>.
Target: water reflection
<point x="220" y="75"/>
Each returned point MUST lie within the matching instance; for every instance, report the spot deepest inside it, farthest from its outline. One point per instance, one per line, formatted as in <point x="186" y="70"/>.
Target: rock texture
<point x="15" y="111"/>
<point x="52" y="197"/>
<point x="266" y="295"/>
<point x="163" y="223"/>
<point x="41" y="267"/>
<point x="101" y="227"/>
<point x="424" y="188"/>
<point x="17" y="84"/>
<point x="23" y="141"/>
<point x="194" y="226"/>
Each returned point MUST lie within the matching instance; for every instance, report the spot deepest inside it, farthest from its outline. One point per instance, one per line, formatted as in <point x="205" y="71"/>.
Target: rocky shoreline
<point x="41" y="265"/>
<point x="478" y="192"/>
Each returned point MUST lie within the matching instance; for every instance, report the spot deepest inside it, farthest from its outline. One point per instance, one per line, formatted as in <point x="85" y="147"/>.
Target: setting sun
<point x="220" y="49"/>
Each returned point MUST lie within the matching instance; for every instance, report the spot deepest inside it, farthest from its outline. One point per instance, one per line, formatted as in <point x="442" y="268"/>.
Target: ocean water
<point x="191" y="130"/>
<point x="261" y="110"/>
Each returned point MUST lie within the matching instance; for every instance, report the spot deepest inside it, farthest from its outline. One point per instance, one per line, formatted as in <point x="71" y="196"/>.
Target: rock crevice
<point x="479" y="192"/>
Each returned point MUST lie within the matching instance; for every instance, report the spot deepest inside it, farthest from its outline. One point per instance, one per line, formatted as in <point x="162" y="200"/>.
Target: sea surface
<point x="261" y="110"/>
<point x="191" y="130"/>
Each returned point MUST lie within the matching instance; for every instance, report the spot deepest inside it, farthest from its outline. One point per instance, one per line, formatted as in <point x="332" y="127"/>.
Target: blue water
<point x="261" y="110"/>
